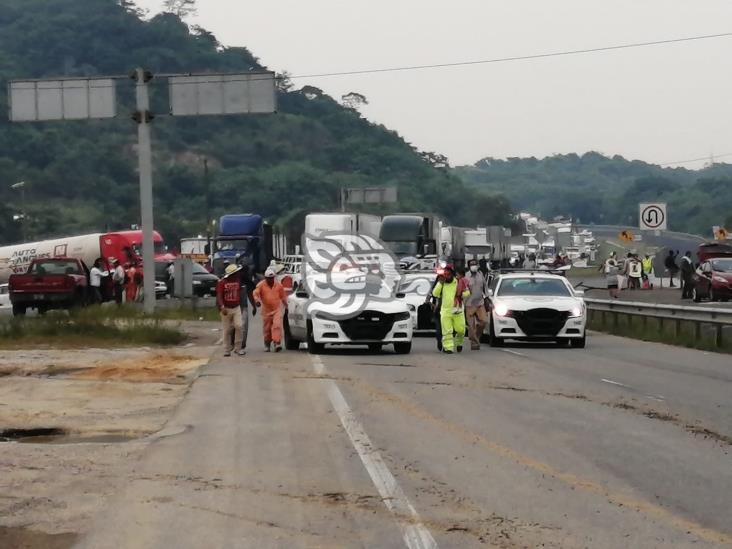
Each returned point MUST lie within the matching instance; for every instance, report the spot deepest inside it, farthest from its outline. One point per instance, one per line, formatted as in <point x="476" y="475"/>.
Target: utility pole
<point x="207" y="186"/>
<point x="143" y="118"/>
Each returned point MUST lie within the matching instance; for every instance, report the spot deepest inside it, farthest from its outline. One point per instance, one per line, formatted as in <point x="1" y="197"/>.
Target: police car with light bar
<point x="535" y="306"/>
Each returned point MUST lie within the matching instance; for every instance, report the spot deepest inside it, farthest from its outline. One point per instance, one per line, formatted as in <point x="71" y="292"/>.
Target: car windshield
<point x="722" y="265"/>
<point x="531" y="286"/>
<point x="199" y="269"/>
<point x="55" y="268"/>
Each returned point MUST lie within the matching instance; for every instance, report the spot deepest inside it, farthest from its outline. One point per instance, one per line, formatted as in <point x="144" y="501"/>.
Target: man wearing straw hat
<point x="228" y="298"/>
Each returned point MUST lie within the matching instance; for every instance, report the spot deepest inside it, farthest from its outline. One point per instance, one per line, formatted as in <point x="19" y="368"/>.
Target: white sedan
<point x="536" y="306"/>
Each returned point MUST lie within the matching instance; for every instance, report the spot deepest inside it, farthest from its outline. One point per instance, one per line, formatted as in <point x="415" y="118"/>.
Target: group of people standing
<point x="631" y="272"/>
<point x="458" y="299"/>
<point x="235" y="292"/>
<point x="114" y="281"/>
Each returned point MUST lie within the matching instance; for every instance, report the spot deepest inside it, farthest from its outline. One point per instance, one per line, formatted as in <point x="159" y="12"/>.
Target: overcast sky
<point x="661" y="104"/>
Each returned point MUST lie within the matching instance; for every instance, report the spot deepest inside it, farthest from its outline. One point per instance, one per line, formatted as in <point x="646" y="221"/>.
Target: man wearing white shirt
<point x="118" y="279"/>
<point x="95" y="280"/>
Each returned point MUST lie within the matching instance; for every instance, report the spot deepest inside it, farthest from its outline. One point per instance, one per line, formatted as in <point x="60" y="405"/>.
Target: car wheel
<point x="19" y="310"/>
<point x="494" y="341"/>
<point x="579" y="343"/>
<point x="375" y="347"/>
<point x="291" y="344"/>
<point x="403" y="348"/>
<point x="314" y="348"/>
<point x="695" y="296"/>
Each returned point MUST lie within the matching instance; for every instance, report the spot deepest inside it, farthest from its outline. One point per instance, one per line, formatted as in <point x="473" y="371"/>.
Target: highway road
<point x="623" y="444"/>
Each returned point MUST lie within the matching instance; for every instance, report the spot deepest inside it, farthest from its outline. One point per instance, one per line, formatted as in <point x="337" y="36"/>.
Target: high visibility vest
<point x="647" y="265"/>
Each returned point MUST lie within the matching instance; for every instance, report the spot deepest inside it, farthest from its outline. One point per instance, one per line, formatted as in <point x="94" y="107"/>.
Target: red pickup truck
<point x="50" y="283"/>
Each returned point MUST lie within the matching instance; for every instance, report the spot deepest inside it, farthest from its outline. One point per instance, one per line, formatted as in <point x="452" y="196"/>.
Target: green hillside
<point x="82" y="175"/>
<point x="596" y="189"/>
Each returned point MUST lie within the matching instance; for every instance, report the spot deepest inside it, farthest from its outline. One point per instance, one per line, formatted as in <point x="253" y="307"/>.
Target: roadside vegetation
<point x="658" y="331"/>
<point x="104" y="326"/>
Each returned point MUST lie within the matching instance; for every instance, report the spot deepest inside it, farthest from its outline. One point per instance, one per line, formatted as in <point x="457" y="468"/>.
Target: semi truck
<point x="126" y="246"/>
<point x="349" y="223"/>
<point x="411" y="235"/>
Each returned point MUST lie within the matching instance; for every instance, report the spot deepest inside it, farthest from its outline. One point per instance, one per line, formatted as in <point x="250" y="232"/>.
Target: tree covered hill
<point x="81" y="176"/>
<point x="597" y="189"/>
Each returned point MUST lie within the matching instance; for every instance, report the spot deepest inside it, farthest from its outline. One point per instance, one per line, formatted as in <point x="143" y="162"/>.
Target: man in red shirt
<point x="228" y="298"/>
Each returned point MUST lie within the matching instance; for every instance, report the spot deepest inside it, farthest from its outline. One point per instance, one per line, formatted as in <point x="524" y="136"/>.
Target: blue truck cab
<point x="245" y="238"/>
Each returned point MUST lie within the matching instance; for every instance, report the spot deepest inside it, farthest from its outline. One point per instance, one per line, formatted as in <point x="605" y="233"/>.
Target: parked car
<point x="161" y="289"/>
<point x="204" y="283"/>
<point x="713" y="280"/>
<point x="536" y="306"/>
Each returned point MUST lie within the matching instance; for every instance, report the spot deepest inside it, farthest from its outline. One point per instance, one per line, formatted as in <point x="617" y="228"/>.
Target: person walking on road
<point x="247" y="297"/>
<point x="647" y="264"/>
<point x="270" y="295"/>
<point x="671" y="266"/>
<point x="131" y="284"/>
<point x="118" y="280"/>
<point x="452" y="318"/>
<point x="435" y="305"/>
<point x="475" y="312"/>
<point x="96" y="274"/>
<point x="687" y="274"/>
<point x="228" y="298"/>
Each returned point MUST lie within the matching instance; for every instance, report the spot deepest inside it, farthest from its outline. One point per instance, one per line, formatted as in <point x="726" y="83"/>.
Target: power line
<point x="689" y="161"/>
<point x="565" y="53"/>
<point x="519" y="57"/>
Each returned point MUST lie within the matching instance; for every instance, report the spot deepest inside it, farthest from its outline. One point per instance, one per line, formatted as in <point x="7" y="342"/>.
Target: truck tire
<point x="19" y="310"/>
<point x="291" y="344"/>
<point x="403" y="348"/>
<point x="314" y="348"/>
<point x="579" y="343"/>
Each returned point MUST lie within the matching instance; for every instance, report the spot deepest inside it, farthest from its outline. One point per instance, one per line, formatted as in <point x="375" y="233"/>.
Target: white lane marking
<point x="513" y="352"/>
<point x="415" y="534"/>
<point x="611" y="382"/>
<point x="657" y="398"/>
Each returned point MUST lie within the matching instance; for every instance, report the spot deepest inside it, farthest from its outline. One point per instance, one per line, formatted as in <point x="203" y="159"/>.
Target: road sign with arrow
<point x="653" y="217"/>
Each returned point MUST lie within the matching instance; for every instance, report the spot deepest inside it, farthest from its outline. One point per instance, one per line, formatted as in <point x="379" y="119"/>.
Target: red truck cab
<point x="50" y="283"/>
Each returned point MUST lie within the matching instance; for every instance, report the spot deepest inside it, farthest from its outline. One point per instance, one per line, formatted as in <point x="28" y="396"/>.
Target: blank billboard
<point x="68" y="99"/>
<point x="247" y="93"/>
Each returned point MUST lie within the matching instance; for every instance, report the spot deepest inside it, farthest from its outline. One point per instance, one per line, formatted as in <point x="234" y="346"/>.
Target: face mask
<point x="473" y="268"/>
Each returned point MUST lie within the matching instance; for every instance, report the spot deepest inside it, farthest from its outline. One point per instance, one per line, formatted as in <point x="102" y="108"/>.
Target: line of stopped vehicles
<point x="530" y="305"/>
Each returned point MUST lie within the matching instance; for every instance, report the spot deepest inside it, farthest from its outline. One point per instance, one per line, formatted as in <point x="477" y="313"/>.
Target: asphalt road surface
<point x="623" y="444"/>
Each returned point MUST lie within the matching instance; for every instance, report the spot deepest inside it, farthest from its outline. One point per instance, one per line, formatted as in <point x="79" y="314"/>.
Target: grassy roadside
<point x="652" y="329"/>
<point x="104" y="326"/>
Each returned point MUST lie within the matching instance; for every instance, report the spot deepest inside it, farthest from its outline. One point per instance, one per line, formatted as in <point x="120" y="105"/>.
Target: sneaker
<point x="227" y="353"/>
<point x="460" y="349"/>
<point x="267" y="348"/>
<point x="447" y="352"/>
<point x="278" y="348"/>
<point x="475" y="347"/>
<point x="241" y="352"/>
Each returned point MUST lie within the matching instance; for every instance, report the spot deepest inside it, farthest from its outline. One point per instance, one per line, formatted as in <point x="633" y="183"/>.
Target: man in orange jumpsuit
<point x="271" y="297"/>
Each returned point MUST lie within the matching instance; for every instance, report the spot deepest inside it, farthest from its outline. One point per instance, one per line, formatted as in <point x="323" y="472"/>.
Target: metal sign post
<point x="144" y="153"/>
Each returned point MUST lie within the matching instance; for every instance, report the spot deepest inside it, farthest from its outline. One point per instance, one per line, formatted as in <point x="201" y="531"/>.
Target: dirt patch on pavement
<point x="22" y="538"/>
<point x="72" y="426"/>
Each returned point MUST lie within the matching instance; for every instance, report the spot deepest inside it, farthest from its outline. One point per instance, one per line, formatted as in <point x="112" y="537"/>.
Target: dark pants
<point x="438" y="329"/>
<point x="686" y="287"/>
<point x="119" y="291"/>
<point x="96" y="295"/>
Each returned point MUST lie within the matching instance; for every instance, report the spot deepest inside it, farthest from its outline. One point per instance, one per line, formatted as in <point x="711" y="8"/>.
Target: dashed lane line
<point x="414" y="532"/>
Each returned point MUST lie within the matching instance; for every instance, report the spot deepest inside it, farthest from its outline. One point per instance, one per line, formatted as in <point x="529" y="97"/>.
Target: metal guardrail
<point x="719" y="318"/>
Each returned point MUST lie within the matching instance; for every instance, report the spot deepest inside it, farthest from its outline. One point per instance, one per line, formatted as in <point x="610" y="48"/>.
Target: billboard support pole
<point x="144" y="152"/>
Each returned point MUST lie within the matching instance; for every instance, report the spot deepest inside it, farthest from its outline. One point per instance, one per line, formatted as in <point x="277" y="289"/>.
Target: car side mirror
<point x="302" y="294"/>
<point x="401" y="295"/>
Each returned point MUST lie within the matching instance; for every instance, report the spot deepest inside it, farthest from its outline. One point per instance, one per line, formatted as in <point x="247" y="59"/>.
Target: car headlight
<point x="719" y="279"/>
<point x="502" y="310"/>
<point x="576" y="311"/>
